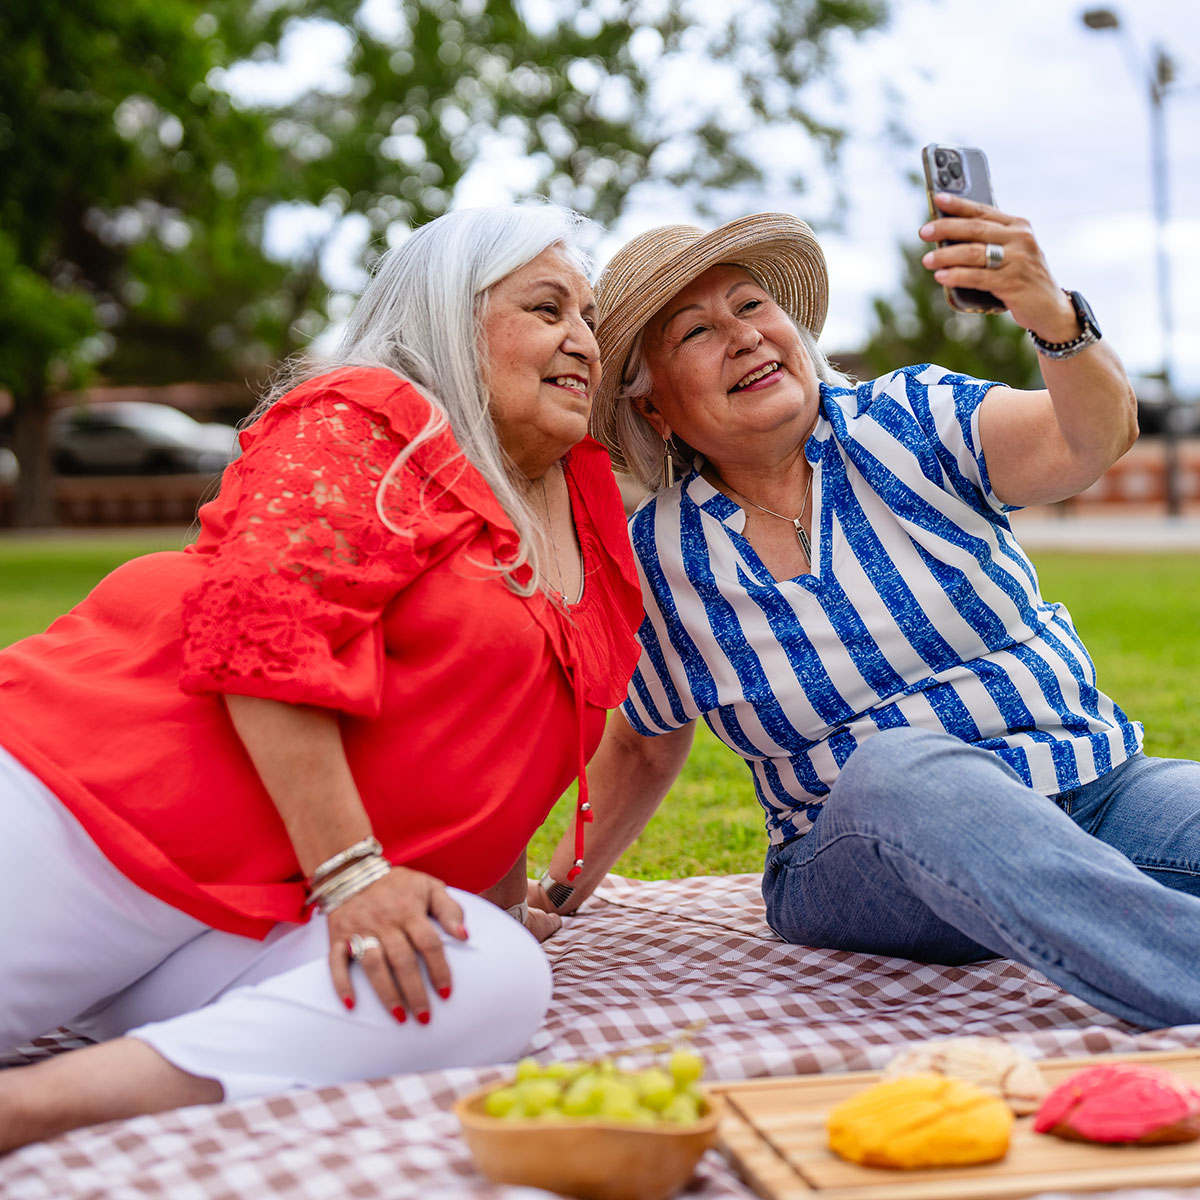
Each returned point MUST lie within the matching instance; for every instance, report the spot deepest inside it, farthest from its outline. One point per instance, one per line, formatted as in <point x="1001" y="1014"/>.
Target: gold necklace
<point x="801" y="532"/>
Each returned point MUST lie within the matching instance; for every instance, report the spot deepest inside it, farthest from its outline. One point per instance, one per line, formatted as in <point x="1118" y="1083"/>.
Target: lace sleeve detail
<point x="300" y="567"/>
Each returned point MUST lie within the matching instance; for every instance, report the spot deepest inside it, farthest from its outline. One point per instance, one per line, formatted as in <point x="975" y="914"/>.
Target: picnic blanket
<point x="640" y="963"/>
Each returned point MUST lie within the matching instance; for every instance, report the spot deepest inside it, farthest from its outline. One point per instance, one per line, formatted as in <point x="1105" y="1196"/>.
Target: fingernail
<point x="926" y="259"/>
<point x="423" y="1018"/>
<point x="399" y="1013"/>
<point x="348" y="1001"/>
<point x="926" y="231"/>
<point x="444" y="993"/>
<point x="462" y="932"/>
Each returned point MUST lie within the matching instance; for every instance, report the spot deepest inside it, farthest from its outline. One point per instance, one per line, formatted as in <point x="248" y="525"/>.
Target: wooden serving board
<point x="773" y="1131"/>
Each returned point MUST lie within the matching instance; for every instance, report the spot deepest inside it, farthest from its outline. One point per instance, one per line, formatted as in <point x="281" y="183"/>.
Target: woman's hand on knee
<point x="401" y="913"/>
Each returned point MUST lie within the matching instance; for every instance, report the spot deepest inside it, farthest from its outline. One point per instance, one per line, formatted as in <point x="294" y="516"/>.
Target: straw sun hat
<point x="779" y="250"/>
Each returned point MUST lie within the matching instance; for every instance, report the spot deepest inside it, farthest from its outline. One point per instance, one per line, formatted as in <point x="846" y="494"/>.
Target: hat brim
<point x="780" y="250"/>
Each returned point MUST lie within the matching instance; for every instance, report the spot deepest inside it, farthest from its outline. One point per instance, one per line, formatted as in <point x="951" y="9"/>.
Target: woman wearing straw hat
<point x="832" y="584"/>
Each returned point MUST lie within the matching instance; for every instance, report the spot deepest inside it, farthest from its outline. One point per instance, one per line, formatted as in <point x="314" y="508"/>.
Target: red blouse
<point x="466" y="710"/>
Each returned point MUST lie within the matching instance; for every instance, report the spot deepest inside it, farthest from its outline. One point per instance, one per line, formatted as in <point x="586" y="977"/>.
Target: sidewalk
<point x="1114" y="528"/>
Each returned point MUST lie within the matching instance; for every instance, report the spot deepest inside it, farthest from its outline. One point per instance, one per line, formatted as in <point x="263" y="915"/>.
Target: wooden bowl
<point x="591" y="1160"/>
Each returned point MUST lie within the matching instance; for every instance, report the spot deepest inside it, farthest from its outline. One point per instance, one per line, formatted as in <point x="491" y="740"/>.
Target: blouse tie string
<point x="583" y="808"/>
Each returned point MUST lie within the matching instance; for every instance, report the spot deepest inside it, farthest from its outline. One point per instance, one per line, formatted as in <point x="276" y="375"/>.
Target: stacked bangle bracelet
<point x="346" y="874"/>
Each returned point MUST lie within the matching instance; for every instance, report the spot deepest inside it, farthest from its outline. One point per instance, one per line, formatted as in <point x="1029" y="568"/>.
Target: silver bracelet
<point x="519" y="912"/>
<point x="368" y="847"/>
<point x="337" y="889"/>
<point x="557" y="893"/>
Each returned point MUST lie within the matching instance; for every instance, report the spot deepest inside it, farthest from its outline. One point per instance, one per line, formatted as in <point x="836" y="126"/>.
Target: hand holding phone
<point x="962" y="171"/>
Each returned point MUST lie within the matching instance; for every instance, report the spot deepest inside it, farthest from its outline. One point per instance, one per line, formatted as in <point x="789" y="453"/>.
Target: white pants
<point x="82" y="946"/>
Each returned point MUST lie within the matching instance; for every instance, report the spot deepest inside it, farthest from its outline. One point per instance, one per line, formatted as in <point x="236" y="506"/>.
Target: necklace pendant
<point x="802" y="535"/>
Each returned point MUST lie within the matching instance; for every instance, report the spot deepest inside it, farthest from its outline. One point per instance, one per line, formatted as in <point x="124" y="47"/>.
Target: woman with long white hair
<point x="309" y="713"/>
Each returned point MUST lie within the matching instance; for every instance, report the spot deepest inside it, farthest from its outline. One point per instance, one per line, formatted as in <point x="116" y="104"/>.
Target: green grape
<point x="556" y="1070"/>
<point x="528" y="1068"/>
<point x="582" y="1098"/>
<point x="618" y="1101"/>
<point x="537" y="1095"/>
<point x="683" y="1110"/>
<point x="655" y="1088"/>
<point x="685" y="1067"/>
<point x="500" y="1101"/>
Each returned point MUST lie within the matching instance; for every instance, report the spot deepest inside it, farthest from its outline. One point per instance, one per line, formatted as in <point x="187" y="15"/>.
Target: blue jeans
<point x="931" y="849"/>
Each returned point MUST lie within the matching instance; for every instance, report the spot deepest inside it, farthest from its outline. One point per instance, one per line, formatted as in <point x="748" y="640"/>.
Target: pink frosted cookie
<point x="1121" y="1102"/>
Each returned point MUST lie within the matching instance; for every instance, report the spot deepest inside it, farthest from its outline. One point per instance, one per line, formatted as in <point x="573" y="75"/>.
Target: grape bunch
<point x="667" y="1094"/>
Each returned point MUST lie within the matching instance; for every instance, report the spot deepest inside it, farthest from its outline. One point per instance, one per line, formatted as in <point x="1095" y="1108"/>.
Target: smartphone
<point x="963" y="171"/>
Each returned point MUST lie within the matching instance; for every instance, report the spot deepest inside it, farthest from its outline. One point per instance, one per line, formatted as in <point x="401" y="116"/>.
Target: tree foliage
<point x="921" y="327"/>
<point x="137" y="184"/>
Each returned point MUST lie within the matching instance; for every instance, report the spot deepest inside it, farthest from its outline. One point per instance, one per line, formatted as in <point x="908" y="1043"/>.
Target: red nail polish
<point x="348" y="1001"/>
<point x="462" y="932"/>
<point x="399" y="1013"/>
<point x="423" y="1018"/>
<point x="444" y="993"/>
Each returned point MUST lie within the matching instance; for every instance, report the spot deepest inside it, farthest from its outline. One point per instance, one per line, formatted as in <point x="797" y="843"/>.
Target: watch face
<point x="1083" y="310"/>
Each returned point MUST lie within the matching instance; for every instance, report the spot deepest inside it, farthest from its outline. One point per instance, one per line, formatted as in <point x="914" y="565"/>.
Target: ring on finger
<point x="359" y="945"/>
<point x="993" y="255"/>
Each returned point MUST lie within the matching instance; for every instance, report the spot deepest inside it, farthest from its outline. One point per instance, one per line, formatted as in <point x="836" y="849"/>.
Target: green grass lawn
<point x="1137" y="614"/>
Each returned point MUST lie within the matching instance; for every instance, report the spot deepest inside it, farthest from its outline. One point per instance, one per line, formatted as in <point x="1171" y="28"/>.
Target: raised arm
<point x="1040" y="446"/>
<point x="627" y="780"/>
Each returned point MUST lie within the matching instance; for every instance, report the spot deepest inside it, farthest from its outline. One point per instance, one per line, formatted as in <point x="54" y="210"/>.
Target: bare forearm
<point x="627" y="780"/>
<point x="299" y="756"/>
<point x="1095" y="409"/>
<point x="512" y="888"/>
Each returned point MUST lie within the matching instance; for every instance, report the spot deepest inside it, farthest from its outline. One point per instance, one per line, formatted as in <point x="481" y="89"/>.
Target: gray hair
<point x="421" y="316"/>
<point x="642" y="446"/>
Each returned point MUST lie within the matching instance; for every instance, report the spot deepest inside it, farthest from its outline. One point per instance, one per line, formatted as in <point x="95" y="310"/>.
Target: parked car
<point x="1153" y="408"/>
<point x="135" y="437"/>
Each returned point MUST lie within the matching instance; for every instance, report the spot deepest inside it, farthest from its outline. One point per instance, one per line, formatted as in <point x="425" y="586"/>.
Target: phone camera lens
<point x="955" y="168"/>
<point x="943" y="178"/>
<point x="940" y="157"/>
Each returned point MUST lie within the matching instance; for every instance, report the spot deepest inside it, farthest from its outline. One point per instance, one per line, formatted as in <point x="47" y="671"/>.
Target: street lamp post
<point x="1159" y="78"/>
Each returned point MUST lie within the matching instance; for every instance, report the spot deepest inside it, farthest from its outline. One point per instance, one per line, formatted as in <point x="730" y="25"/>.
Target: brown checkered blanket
<point x="641" y="962"/>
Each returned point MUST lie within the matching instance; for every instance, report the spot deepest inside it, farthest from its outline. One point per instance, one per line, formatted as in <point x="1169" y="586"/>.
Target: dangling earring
<point x="668" y="464"/>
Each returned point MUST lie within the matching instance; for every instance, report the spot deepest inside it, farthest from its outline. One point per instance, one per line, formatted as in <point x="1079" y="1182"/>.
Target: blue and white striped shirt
<point x="921" y="610"/>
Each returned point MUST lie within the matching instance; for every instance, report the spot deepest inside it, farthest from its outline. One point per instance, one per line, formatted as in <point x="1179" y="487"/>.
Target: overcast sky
<point x="1063" y="113"/>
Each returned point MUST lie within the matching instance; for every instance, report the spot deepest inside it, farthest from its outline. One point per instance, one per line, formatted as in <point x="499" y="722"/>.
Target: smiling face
<point x="730" y="374"/>
<point x="541" y="360"/>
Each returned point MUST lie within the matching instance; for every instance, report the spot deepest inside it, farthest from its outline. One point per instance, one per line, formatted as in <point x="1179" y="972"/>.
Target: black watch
<point x="1089" y="332"/>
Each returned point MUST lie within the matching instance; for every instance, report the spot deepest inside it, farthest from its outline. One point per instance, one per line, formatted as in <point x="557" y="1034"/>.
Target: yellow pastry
<point x="920" y="1121"/>
<point x="987" y="1062"/>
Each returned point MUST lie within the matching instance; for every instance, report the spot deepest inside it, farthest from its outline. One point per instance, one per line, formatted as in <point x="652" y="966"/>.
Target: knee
<point x="503" y="974"/>
<point x="901" y="770"/>
<point x="895" y="761"/>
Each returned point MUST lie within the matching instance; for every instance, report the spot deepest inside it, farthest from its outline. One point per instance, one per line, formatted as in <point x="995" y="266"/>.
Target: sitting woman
<point x="835" y="588"/>
<point x="311" y="712"/>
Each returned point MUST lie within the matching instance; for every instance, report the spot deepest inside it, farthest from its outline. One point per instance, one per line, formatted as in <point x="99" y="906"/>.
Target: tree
<point x="136" y="186"/>
<point x="923" y="328"/>
<point x="117" y="165"/>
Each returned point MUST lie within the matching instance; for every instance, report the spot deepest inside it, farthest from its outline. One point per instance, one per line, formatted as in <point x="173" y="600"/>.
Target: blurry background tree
<point x="139" y="186"/>
<point x="921" y="327"/>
